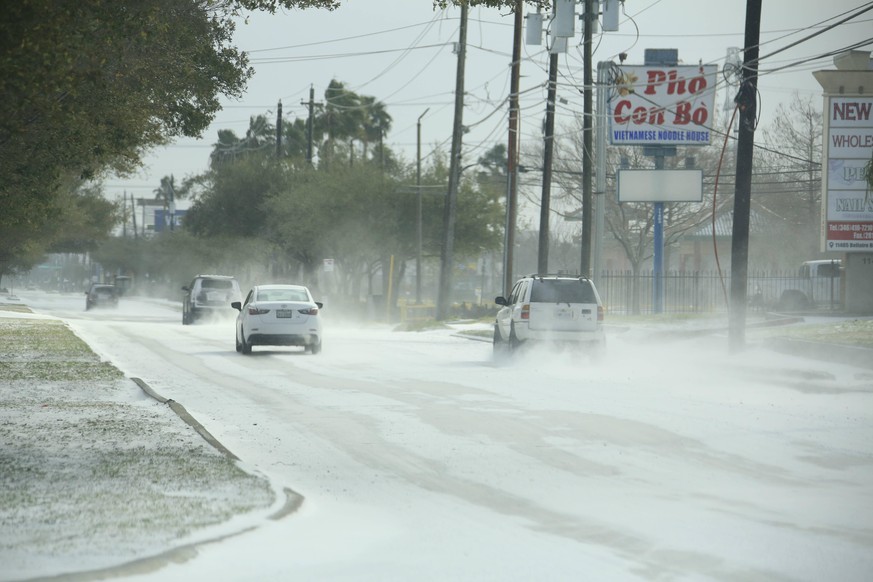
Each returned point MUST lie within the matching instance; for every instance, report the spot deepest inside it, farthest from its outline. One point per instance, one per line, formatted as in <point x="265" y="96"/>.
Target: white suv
<point x="209" y="294"/>
<point x="550" y="308"/>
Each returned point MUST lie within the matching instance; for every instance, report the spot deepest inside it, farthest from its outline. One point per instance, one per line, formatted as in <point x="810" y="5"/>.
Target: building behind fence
<point x="708" y="291"/>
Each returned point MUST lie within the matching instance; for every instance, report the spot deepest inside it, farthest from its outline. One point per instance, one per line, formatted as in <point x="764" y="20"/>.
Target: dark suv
<point x="101" y="296"/>
<point x="550" y="309"/>
<point x="209" y="294"/>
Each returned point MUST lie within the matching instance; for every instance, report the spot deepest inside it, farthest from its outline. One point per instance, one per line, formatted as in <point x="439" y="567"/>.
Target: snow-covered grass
<point x="93" y="472"/>
<point x="851" y="332"/>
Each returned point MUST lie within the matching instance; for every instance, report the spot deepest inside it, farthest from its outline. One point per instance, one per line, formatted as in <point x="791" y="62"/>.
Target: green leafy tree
<point x="90" y="86"/>
<point x="123" y="255"/>
<point x="88" y="219"/>
<point x="339" y="214"/>
<point x="77" y="219"/>
<point x="231" y="204"/>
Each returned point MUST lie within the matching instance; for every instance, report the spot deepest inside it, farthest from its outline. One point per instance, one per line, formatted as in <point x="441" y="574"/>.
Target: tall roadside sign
<point x="847" y="201"/>
<point x="661" y="105"/>
<point x="847" y="204"/>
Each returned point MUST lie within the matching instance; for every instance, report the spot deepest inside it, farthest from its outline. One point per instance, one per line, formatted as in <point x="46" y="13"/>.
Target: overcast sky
<point x="401" y="53"/>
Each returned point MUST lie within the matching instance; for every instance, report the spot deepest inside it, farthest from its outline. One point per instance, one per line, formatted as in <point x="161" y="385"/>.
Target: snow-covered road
<point x="420" y="458"/>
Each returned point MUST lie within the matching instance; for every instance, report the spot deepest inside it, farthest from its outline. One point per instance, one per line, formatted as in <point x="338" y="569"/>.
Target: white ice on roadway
<point x="421" y="458"/>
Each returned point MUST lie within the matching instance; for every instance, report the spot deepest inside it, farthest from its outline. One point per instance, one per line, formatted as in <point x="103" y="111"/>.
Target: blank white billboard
<point x="660" y="185"/>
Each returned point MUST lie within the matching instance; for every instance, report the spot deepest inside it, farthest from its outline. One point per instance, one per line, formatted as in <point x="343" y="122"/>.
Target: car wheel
<point x="244" y="346"/>
<point x="497" y="343"/>
<point x="236" y="341"/>
<point x="514" y="342"/>
<point x="315" y="348"/>
<point x="185" y="320"/>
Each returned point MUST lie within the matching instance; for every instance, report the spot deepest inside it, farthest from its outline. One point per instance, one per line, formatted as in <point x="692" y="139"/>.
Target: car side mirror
<point x="320" y="304"/>
<point x="236" y="305"/>
<point x="185" y="288"/>
<point x="500" y="300"/>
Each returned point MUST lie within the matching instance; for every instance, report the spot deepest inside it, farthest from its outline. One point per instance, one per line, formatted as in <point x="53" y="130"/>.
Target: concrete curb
<point x="185" y="416"/>
<point x="293" y="500"/>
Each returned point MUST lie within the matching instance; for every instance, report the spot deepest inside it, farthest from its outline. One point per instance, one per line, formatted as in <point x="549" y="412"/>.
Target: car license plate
<point x="565" y="314"/>
<point x="284" y="313"/>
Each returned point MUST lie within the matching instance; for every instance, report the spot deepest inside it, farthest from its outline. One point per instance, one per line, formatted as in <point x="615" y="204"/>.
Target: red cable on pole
<point x="714" y="197"/>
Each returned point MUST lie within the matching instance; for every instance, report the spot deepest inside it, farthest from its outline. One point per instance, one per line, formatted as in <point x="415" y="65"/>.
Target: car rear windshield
<point x="217" y="283"/>
<point x="562" y="291"/>
<point x="282" y="295"/>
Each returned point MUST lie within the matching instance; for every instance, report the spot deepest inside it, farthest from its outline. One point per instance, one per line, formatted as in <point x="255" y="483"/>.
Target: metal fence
<point x="706" y="291"/>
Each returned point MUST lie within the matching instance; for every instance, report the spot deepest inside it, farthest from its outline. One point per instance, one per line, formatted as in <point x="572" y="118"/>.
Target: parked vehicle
<point x="208" y="295"/>
<point x="123" y="284"/>
<point x="101" y="296"/>
<point x="550" y="309"/>
<point x="818" y="284"/>
<point x="278" y="315"/>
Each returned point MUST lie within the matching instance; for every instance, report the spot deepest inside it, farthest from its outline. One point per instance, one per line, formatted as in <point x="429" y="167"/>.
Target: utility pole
<point x="418" y="229"/>
<point x="444" y="298"/>
<point x="589" y="16"/>
<point x="512" y="153"/>
<point x="600" y="172"/>
<point x="133" y="216"/>
<point x="548" y="148"/>
<point x="310" y="121"/>
<point x="172" y="206"/>
<point x="279" y="130"/>
<point x="746" y="101"/>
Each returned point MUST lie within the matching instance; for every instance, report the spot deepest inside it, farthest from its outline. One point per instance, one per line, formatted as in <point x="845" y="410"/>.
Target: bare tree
<point x="788" y="177"/>
<point x="631" y="224"/>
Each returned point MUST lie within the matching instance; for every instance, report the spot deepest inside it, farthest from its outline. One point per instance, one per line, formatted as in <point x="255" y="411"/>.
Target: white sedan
<point x="278" y="315"/>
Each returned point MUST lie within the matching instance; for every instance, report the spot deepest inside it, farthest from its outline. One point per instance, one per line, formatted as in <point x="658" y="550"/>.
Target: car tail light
<point x="309" y="311"/>
<point x="257" y="310"/>
<point x="599" y="313"/>
<point x="525" y="311"/>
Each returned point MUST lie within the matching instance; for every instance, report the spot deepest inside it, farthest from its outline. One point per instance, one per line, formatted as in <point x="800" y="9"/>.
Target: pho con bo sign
<point x="847" y="203"/>
<point x="662" y="105"/>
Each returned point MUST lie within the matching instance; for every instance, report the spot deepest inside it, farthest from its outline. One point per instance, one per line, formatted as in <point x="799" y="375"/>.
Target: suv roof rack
<point x="564" y="275"/>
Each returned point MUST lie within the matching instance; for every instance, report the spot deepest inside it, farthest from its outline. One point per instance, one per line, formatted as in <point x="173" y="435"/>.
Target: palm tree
<point x="295" y="139"/>
<point x="260" y="135"/>
<point x="377" y="122"/>
<point x="225" y="149"/>
<point x="342" y="117"/>
<point x="166" y="192"/>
